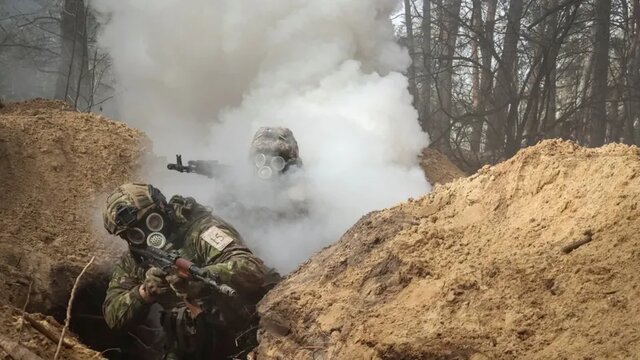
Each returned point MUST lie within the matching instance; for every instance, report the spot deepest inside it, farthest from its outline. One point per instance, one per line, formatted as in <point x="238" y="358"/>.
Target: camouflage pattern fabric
<point x="232" y="264"/>
<point x="133" y="194"/>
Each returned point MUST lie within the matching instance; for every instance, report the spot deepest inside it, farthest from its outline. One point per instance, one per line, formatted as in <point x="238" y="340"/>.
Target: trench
<point x="144" y="341"/>
<point x="88" y="324"/>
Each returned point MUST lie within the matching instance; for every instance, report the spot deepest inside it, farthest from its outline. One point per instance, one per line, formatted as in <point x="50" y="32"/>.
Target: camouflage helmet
<point x="276" y="141"/>
<point x="129" y="203"/>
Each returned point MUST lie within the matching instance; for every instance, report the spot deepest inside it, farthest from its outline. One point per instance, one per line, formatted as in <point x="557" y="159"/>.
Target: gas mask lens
<point x="152" y="233"/>
<point x="155" y="222"/>
<point x="265" y="172"/>
<point x="260" y="160"/>
<point x="134" y="236"/>
<point x="278" y="163"/>
<point x="268" y="165"/>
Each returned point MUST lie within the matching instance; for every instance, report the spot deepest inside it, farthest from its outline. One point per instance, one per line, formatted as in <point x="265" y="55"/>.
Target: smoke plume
<point x="200" y="77"/>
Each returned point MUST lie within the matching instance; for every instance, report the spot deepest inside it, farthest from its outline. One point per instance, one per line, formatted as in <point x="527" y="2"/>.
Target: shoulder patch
<point x="217" y="238"/>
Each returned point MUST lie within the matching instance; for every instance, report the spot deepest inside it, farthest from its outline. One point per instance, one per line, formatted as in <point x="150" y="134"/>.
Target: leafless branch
<point x="69" y="306"/>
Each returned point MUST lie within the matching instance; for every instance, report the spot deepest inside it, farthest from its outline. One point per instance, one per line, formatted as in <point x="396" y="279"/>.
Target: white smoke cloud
<point x="200" y="77"/>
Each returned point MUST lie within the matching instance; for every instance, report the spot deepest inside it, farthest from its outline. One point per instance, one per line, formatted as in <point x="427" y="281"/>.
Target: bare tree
<point x="632" y="90"/>
<point x="408" y="23"/>
<point x="599" y="87"/>
<point x="476" y="93"/>
<point x="427" y="78"/>
<point x="74" y="54"/>
<point x="50" y="50"/>
<point x="450" y="15"/>
<point x="506" y="101"/>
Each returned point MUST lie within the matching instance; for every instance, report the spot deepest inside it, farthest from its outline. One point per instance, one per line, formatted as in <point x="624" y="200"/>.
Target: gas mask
<point x="267" y="165"/>
<point x="150" y="229"/>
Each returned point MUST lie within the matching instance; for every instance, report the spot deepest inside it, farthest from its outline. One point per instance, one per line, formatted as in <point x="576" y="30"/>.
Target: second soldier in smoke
<point x="277" y="190"/>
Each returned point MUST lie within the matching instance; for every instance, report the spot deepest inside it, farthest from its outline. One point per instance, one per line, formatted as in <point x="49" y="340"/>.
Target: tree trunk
<point x="532" y="119"/>
<point x="548" y="125"/>
<point x="542" y="98"/>
<point x="487" y="49"/>
<point x="505" y="91"/>
<point x="616" y="123"/>
<point x="411" y="72"/>
<point x="632" y="93"/>
<point x="83" y="82"/>
<point x="584" y="92"/>
<point x="598" y="109"/>
<point x="425" y="120"/>
<point x="444" y="84"/>
<point x="548" y="116"/>
<point x="74" y="63"/>
<point x="615" y="128"/>
<point x="476" y="94"/>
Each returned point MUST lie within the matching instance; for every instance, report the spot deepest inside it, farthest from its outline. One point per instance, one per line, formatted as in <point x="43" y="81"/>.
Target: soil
<point x="56" y="166"/>
<point x="476" y="269"/>
<point x="16" y="329"/>
<point x="483" y="267"/>
<point x="438" y="168"/>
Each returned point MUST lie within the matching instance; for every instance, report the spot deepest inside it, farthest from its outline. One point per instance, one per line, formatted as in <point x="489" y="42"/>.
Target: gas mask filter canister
<point x="151" y="232"/>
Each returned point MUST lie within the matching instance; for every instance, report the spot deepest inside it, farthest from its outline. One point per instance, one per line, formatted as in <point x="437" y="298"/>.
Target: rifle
<point x="209" y="168"/>
<point x="186" y="269"/>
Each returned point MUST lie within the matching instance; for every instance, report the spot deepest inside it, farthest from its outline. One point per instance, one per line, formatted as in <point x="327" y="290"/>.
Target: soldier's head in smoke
<point x="274" y="150"/>
<point x="139" y="214"/>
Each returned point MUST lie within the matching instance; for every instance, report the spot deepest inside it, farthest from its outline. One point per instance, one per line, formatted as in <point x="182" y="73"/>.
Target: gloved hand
<point x="178" y="284"/>
<point x="155" y="283"/>
<point x="185" y="288"/>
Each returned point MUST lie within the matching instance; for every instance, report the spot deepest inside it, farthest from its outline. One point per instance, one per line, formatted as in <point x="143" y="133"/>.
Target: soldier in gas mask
<point x="274" y="151"/>
<point x="197" y="322"/>
<point x="275" y="156"/>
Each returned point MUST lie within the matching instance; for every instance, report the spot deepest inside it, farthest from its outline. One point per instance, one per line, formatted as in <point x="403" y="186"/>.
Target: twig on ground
<point x="588" y="235"/>
<point x="69" y="304"/>
<point x="24" y="310"/>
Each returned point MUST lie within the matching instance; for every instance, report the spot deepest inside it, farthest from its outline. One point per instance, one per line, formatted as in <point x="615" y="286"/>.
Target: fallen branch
<point x="17" y="351"/>
<point x="67" y="320"/>
<point x="46" y="332"/>
<point x="588" y="235"/>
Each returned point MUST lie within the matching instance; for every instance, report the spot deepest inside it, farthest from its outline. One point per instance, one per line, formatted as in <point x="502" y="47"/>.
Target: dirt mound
<point x="56" y="165"/>
<point x="475" y="270"/>
<point x="438" y="168"/>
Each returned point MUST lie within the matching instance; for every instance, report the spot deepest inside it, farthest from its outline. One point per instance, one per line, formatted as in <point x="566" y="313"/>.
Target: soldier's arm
<point x="227" y="258"/>
<point x="123" y="303"/>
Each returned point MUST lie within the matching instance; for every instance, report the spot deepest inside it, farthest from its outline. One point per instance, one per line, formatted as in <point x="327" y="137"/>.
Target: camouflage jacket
<point x="233" y="262"/>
